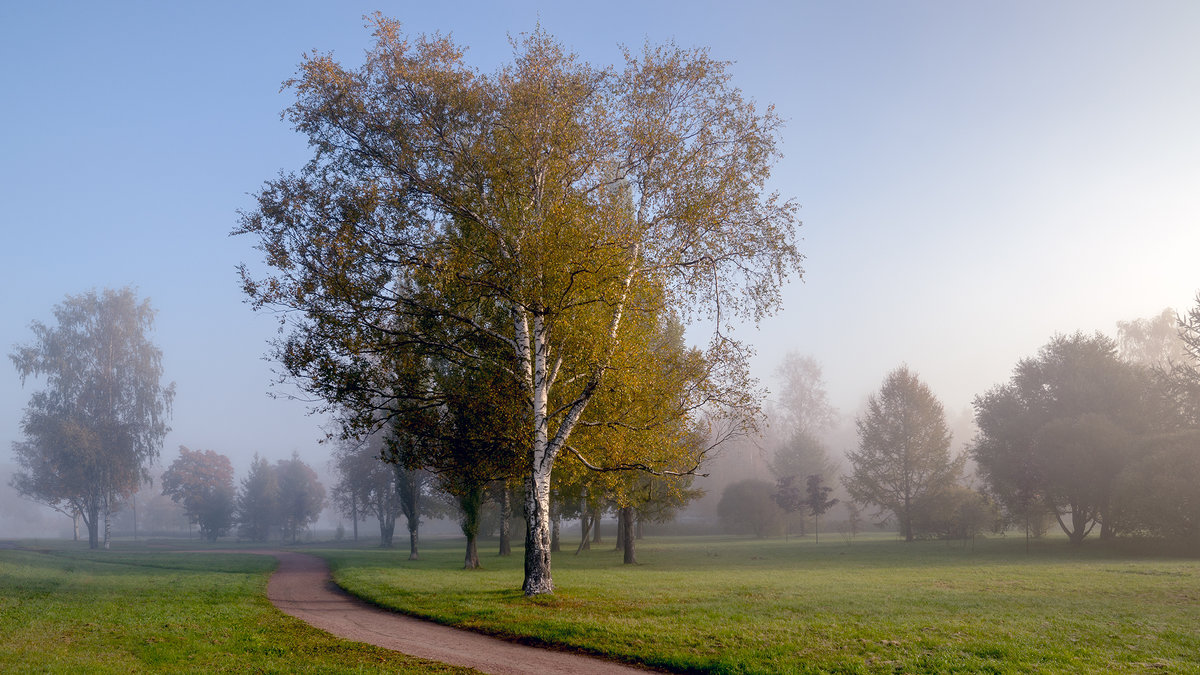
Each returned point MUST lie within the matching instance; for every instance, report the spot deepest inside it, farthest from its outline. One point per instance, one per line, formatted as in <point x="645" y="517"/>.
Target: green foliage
<point x="139" y="611"/>
<point x="1054" y="438"/>
<point x="285" y="497"/>
<point x="92" y="433"/>
<point x="904" y="449"/>
<point x="956" y="512"/>
<point x="801" y="454"/>
<point x="549" y="212"/>
<point x="202" y="481"/>
<point x="1158" y="494"/>
<point x="301" y="496"/>
<point x="369" y="486"/>
<point x="747" y="507"/>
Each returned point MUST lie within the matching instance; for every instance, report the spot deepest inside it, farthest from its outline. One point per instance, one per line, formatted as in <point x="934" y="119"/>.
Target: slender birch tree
<point x="533" y="210"/>
<point x="92" y="433"/>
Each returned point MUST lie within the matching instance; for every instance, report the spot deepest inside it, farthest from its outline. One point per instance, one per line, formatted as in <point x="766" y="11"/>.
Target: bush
<point x="746" y="507"/>
<point x="1159" y="494"/>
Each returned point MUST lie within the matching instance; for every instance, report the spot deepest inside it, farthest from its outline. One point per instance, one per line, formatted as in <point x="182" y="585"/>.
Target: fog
<point x="974" y="179"/>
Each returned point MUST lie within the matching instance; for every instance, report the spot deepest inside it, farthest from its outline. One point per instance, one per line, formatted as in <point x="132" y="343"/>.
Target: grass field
<point x="722" y="605"/>
<point x="128" y="611"/>
<point x="714" y="605"/>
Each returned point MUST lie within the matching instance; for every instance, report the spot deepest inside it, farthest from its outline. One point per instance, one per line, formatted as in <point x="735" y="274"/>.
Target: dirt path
<point x="302" y="587"/>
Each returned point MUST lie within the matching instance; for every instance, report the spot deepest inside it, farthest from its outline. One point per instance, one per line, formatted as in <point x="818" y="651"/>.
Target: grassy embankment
<point x="127" y="611"/>
<point x="741" y="606"/>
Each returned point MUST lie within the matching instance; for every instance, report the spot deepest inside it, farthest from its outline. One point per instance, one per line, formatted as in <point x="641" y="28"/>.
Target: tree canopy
<point x="1056" y="435"/>
<point x="202" y="482"/>
<point x="91" y="434"/>
<point x="904" y="449"/>
<point x="450" y="215"/>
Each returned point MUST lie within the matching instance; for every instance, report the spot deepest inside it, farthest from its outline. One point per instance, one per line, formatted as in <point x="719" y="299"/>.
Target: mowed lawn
<point x="129" y="611"/>
<point x="727" y="605"/>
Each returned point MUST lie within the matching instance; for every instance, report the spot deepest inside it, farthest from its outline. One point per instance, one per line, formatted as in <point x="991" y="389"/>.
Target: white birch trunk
<point x="538" y="579"/>
<point x="533" y="353"/>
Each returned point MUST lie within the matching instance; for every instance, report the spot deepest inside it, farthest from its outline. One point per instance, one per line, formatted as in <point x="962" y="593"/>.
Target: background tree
<point x="301" y="496"/>
<point x="565" y="198"/>
<point x="258" y="501"/>
<point x="1006" y="458"/>
<point x="645" y="432"/>
<point x="469" y="435"/>
<point x="202" y="482"/>
<point x="1080" y="459"/>
<point x="802" y="454"/>
<point x="802" y="416"/>
<point x="1159" y="492"/>
<point x="1184" y="376"/>
<point x="804" y="406"/>
<point x="817" y="501"/>
<point x="1057" y="434"/>
<point x="413" y="486"/>
<point x="366" y="486"/>
<point x="957" y="512"/>
<point x="904" y="449"/>
<point x="789" y="498"/>
<point x="1151" y="343"/>
<point x="92" y="433"/>
<point x="746" y="507"/>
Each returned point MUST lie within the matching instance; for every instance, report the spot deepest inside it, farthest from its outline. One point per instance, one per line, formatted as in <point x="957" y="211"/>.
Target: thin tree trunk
<point x="354" y="513"/>
<point x="387" y="530"/>
<point x="585" y="526"/>
<point x="596" y="513"/>
<point x="408" y="487"/>
<point x="107" y="524"/>
<point x="92" y="521"/>
<point x="620" y="530"/>
<point x="471" y="501"/>
<point x="414" y="539"/>
<point x="627" y="535"/>
<point x="505" y="520"/>
<point x="555" y="525"/>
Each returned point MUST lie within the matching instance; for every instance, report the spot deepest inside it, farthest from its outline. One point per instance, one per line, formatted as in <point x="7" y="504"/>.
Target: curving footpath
<point x="302" y="587"/>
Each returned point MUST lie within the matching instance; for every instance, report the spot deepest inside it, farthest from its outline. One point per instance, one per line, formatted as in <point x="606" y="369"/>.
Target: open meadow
<point x="694" y="604"/>
<point x="64" y="609"/>
<point x="728" y="605"/>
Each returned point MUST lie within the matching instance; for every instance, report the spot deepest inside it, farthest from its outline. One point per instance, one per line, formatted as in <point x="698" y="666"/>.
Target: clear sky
<point x="975" y="176"/>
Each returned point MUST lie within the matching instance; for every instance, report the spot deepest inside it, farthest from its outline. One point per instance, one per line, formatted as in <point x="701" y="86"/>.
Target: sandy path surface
<point x="302" y="587"/>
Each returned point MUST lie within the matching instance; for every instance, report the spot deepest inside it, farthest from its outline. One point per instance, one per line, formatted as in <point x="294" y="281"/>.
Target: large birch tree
<point x="536" y="209"/>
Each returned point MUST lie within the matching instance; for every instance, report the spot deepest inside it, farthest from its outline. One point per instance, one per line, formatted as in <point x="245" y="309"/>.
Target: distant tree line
<point x="1092" y="434"/>
<point x="1100" y="433"/>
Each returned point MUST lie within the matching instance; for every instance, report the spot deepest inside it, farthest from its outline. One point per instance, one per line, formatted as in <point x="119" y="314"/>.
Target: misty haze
<point x="532" y="338"/>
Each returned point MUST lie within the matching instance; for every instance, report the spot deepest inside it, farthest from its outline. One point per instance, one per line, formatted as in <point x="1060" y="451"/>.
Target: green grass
<point x="725" y="605"/>
<point x="126" y="611"/>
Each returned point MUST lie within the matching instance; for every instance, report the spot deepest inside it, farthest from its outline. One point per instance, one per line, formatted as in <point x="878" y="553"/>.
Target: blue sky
<point x="975" y="177"/>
